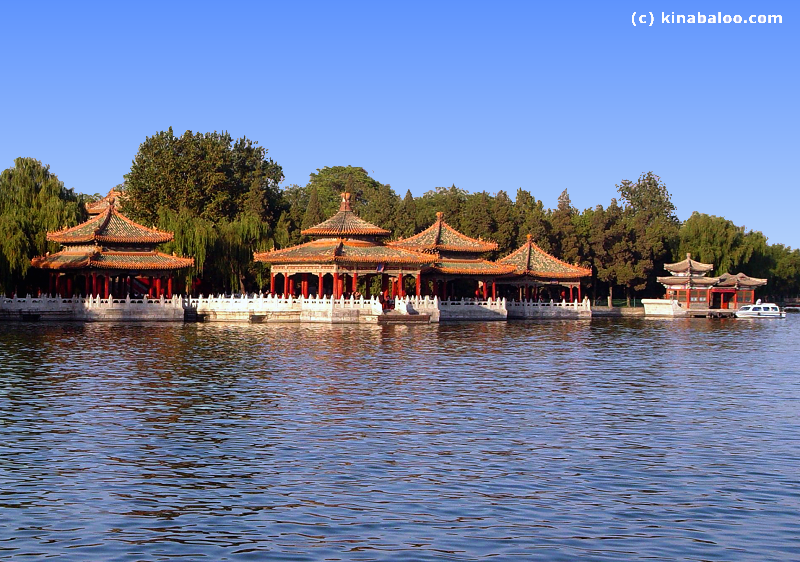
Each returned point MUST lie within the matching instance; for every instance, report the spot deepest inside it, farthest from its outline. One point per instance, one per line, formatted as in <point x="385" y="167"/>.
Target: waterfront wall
<point x="129" y="309"/>
<point x="274" y="308"/>
<point x="534" y="309"/>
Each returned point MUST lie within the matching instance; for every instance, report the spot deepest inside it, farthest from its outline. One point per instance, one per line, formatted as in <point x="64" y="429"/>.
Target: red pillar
<point x="570" y="293"/>
<point x="579" y="293"/>
<point x="485" y="291"/>
<point x="419" y="284"/>
<point x="271" y="283"/>
<point x="384" y="284"/>
<point x="169" y="287"/>
<point x="94" y="283"/>
<point x="320" y="292"/>
<point x="494" y="291"/>
<point x="527" y="292"/>
<point x="291" y="285"/>
<point x="304" y="285"/>
<point x="336" y="293"/>
<point x="355" y="282"/>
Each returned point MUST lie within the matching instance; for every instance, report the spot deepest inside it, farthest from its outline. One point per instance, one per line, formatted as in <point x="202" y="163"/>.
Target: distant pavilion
<point x="689" y="285"/>
<point x="534" y="269"/>
<point x="346" y="248"/>
<point x="110" y="255"/>
<point x="455" y="257"/>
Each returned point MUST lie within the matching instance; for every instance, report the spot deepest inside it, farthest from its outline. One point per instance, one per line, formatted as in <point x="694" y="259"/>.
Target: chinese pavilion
<point x="346" y="248"/>
<point x="110" y="255"/>
<point x="689" y="285"/>
<point x="534" y="269"/>
<point x="455" y="257"/>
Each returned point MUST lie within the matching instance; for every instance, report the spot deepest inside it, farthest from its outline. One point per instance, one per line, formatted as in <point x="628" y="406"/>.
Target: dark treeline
<point x="222" y="200"/>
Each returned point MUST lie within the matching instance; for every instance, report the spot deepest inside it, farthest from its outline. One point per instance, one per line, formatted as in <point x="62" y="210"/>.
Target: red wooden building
<point x="346" y="249"/>
<point x="691" y="287"/>
<point x="535" y="270"/>
<point x="457" y="266"/>
<point x="110" y="255"/>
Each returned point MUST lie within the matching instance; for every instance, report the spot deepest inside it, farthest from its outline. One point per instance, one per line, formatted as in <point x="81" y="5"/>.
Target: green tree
<point x="532" y="219"/>
<point x="406" y="219"/>
<point x="565" y="236"/>
<point x="476" y="216"/>
<point x="219" y="196"/>
<point x="313" y="214"/>
<point x="33" y="201"/>
<point x="507" y="229"/>
<point x="370" y="199"/>
<point x="651" y="221"/>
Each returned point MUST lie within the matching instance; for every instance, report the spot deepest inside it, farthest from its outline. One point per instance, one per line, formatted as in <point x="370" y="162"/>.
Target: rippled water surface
<point x="578" y="440"/>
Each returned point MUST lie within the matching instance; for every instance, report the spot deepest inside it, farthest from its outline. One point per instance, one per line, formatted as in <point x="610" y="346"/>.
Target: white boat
<point x="760" y="310"/>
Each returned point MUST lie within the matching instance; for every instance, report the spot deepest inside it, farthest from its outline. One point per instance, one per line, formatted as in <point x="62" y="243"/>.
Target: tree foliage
<point x="33" y="201"/>
<point x="219" y="196"/>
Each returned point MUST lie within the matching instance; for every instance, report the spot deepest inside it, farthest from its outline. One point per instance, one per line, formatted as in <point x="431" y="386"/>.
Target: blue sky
<point x="487" y="96"/>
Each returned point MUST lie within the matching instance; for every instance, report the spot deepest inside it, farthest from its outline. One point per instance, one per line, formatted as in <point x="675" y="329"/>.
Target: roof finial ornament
<point x="530" y="237"/>
<point x="345" y="206"/>
<point x="439" y="215"/>
<point x="688" y="256"/>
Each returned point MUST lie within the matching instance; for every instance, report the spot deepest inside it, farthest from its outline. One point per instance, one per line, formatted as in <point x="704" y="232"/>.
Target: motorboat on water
<point x="761" y="310"/>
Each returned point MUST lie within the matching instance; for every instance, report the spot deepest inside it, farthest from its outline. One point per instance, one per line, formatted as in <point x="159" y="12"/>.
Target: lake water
<point x="598" y="440"/>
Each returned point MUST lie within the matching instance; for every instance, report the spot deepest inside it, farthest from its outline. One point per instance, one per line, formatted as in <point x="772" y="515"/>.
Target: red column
<point x="688" y="299"/>
<point x="527" y="292"/>
<point x="419" y="284"/>
<point x="271" y="283"/>
<point x="401" y="292"/>
<point x="291" y="285"/>
<point x="304" y="285"/>
<point x="336" y="293"/>
<point x="384" y="283"/>
<point x="94" y="283"/>
<point x="579" y="293"/>
<point x="169" y="287"/>
<point x="570" y="293"/>
<point x="355" y="282"/>
<point x="494" y="291"/>
<point x="485" y="291"/>
<point x="319" y="288"/>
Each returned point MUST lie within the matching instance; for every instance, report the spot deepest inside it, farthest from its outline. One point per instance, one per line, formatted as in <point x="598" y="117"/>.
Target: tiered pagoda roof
<point x="344" y="251"/>
<point x="110" y="227"/>
<point x="111" y="241"/>
<point x="345" y="224"/>
<point x="114" y="198"/>
<point x="95" y="257"/>
<point x="740" y="281"/>
<point x="688" y="273"/>
<point x="441" y="237"/>
<point x="451" y="266"/>
<point x="688" y="267"/>
<point x="455" y="253"/>
<point x="531" y="261"/>
<point x="346" y="239"/>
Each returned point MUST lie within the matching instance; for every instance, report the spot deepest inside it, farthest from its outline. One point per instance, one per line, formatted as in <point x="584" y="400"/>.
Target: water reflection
<point x="591" y="440"/>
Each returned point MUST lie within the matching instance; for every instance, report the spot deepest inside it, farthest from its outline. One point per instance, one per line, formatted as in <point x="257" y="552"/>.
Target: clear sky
<point x="487" y="96"/>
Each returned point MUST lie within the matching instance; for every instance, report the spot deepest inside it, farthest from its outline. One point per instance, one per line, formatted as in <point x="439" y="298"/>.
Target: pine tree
<point x="406" y="219"/>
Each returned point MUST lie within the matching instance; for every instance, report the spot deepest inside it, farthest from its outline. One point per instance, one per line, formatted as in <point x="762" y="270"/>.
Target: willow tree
<point x="33" y="201"/>
<point x="221" y="198"/>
